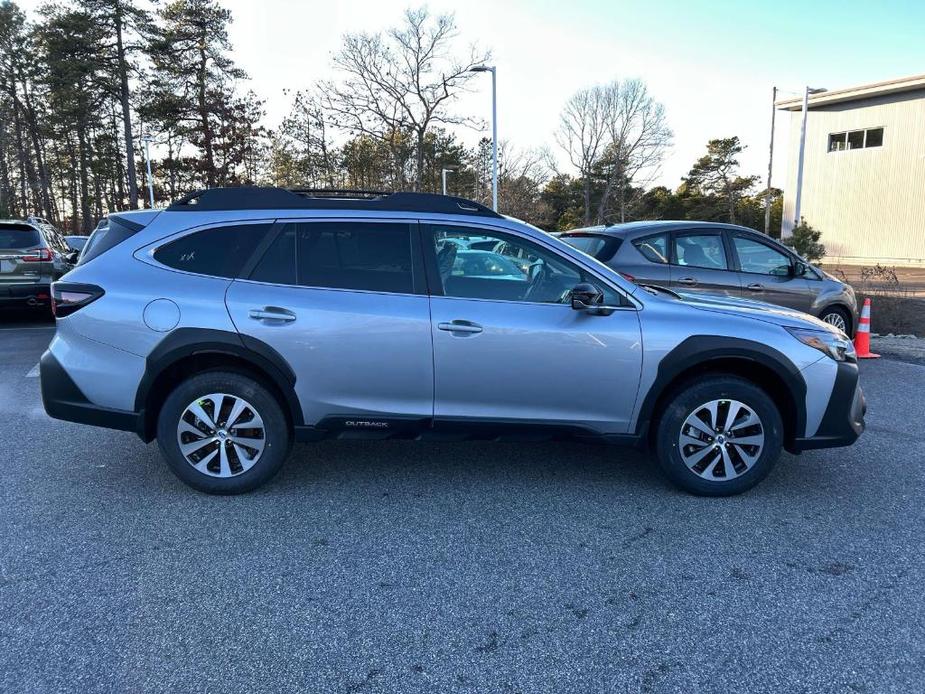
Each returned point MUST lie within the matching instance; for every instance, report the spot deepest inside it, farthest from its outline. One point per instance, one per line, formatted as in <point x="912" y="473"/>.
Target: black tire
<point x="842" y="313"/>
<point x="276" y="432"/>
<point x="685" y="402"/>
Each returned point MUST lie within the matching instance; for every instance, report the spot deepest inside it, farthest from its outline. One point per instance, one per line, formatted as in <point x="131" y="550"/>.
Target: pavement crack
<point x="632" y="539"/>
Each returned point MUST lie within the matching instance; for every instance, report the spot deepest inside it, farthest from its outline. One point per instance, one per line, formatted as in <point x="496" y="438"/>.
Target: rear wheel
<point x="223" y="433"/>
<point x="718" y="436"/>
<point x="834" y="315"/>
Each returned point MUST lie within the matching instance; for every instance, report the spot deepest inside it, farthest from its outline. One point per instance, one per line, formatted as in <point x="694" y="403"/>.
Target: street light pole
<point x="799" y="191"/>
<point x="443" y="174"/>
<point x="146" y="138"/>
<point x="494" y="131"/>
<point x="767" y="195"/>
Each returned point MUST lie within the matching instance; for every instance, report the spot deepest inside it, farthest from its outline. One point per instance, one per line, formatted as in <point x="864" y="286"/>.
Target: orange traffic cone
<point x="862" y="339"/>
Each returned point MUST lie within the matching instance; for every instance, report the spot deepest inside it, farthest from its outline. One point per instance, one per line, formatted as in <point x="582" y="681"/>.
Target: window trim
<point x="435" y="286"/>
<point x="706" y="231"/>
<point x="418" y="273"/>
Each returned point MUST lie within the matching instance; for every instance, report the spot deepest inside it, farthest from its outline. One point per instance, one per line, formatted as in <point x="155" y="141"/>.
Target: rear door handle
<point x="271" y="313"/>
<point x="688" y="281"/>
<point x="755" y="287"/>
<point x="458" y="326"/>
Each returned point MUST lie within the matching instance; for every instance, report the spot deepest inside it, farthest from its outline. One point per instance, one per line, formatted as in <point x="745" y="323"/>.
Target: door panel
<point x="336" y="299"/>
<point x="508" y="346"/>
<point x="700" y="264"/>
<point x="539" y="363"/>
<point x="352" y="352"/>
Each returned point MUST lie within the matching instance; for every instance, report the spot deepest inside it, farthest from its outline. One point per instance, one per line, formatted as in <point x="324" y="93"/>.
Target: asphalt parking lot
<point x="425" y="567"/>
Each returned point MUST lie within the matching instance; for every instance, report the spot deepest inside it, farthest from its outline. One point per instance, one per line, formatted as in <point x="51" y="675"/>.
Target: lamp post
<point x="799" y="191"/>
<point x="494" y="131"/>
<point x="147" y="139"/>
<point x="443" y="174"/>
<point x="767" y="195"/>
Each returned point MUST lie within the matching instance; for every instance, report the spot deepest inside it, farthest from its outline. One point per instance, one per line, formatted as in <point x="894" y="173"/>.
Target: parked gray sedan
<point x="713" y="258"/>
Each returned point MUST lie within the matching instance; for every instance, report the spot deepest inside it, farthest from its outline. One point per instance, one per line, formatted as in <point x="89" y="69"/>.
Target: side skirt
<point x="365" y="427"/>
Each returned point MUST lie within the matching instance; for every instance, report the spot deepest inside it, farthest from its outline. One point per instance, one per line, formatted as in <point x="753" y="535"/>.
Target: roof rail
<point x="261" y="198"/>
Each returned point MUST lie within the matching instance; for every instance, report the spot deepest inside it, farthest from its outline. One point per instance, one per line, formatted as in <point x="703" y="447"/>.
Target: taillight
<point x="627" y="276"/>
<point x="40" y="255"/>
<point x="68" y="297"/>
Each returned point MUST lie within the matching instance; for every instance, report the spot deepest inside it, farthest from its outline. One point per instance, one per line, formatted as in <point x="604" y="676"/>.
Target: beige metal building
<point x="863" y="171"/>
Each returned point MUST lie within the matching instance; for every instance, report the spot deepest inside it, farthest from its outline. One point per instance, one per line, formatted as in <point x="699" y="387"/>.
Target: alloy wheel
<point x="221" y="435"/>
<point x="836" y="319"/>
<point x="721" y="440"/>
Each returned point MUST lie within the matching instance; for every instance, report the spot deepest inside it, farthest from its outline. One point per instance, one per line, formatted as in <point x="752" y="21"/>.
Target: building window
<point x="874" y="137"/>
<point x="856" y="139"/>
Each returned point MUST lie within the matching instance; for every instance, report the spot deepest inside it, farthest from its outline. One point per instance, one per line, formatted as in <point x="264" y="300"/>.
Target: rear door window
<point x="217" y="251"/>
<point x="701" y="250"/>
<point x="363" y="256"/>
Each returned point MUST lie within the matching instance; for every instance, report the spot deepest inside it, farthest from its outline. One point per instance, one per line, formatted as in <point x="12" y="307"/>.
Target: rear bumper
<point x="25" y="294"/>
<point x="843" y="421"/>
<point x="64" y="400"/>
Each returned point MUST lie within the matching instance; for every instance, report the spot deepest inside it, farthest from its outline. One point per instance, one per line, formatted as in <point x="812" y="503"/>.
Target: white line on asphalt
<point x="34" y="372"/>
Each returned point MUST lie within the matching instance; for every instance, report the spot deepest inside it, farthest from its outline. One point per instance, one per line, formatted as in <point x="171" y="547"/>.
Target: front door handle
<point x="459" y="326"/>
<point x="271" y="313"/>
<point x="755" y="287"/>
<point x="687" y="281"/>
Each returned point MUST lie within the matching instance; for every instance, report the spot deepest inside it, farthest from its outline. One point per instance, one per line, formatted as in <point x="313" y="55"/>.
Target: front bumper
<point x="843" y="421"/>
<point x="63" y="399"/>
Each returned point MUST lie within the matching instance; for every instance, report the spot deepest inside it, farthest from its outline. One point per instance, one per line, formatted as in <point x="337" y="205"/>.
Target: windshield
<point x="19" y="236"/>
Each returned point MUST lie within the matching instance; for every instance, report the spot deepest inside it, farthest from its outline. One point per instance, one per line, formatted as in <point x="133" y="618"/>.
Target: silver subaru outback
<point x="237" y="321"/>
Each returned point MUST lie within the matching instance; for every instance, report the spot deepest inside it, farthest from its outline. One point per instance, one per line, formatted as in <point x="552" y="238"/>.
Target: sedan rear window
<point x="601" y="248"/>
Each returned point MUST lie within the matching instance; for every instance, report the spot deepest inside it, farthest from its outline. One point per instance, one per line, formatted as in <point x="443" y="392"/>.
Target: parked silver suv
<point x="32" y="256"/>
<point x="239" y="320"/>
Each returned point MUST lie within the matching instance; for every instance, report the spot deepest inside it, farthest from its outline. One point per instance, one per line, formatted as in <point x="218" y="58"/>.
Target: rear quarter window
<point x="653" y="248"/>
<point x="218" y="251"/>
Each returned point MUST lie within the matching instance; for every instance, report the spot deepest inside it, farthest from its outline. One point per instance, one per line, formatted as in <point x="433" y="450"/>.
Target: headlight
<point x="838" y="347"/>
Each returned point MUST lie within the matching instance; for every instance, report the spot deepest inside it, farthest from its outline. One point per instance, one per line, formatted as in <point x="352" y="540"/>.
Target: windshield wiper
<point x="658" y="288"/>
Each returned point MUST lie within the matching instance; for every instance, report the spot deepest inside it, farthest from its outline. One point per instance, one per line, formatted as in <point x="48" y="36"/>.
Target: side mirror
<point x="798" y="269"/>
<point x="72" y="257"/>
<point x="585" y="296"/>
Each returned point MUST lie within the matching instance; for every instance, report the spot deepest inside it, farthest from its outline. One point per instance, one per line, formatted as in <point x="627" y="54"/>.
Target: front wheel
<point x="223" y="433"/>
<point x="838" y="317"/>
<point x="719" y="436"/>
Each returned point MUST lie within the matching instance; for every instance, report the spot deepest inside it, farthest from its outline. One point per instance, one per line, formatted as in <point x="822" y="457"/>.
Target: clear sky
<point x="712" y="64"/>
